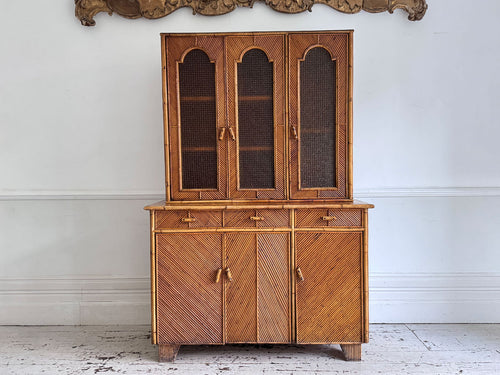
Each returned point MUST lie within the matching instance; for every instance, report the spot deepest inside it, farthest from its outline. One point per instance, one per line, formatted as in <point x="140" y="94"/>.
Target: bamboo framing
<point x="166" y="148"/>
<point x="245" y="205"/>
<point x="286" y="163"/>
<point x="257" y="325"/>
<point x="276" y="230"/>
<point x="223" y="230"/>
<point x="154" y="338"/>
<point x="364" y="263"/>
<point x="350" y="114"/>
<point x="293" y="261"/>
<point x="224" y="305"/>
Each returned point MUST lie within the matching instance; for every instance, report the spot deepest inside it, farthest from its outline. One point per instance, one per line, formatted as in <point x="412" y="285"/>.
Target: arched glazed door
<point x="256" y="105"/>
<point x="196" y="117"/>
<point x="319" y="116"/>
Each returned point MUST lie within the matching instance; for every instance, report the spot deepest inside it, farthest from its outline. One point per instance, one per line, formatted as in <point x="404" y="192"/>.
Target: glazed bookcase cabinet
<point x="259" y="239"/>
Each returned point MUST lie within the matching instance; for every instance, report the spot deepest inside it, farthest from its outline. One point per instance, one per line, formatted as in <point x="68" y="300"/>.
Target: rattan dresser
<point x="259" y="239"/>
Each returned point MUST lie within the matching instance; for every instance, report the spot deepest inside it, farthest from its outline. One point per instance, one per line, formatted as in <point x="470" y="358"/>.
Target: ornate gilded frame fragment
<point x="85" y="10"/>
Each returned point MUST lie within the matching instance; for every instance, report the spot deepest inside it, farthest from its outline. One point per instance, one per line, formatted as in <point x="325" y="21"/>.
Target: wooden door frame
<point x="298" y="46"/>
<point x="183" y="237"/>
<point x="273" y="45"/>
<point x="257" y="275"/>
<point x="363" y="327"/>
<point x="175" y="49"/>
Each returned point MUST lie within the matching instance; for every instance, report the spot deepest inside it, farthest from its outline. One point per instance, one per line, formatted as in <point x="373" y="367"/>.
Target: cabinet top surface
<point x="235" y="205"/>
<point x="262" y="33"/>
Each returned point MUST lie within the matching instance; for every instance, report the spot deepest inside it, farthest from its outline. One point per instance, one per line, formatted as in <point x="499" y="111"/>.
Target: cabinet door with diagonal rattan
<point x="195" y="93"/>
<point x="257" y="287"/>
<point x="189" y="288"/>
<point x="329" y="287"/>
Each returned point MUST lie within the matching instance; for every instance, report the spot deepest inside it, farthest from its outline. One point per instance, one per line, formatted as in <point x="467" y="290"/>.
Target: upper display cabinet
<point x="257" y="115"/>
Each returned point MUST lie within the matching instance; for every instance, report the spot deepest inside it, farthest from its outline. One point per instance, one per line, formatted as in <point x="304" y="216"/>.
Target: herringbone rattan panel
<point x="241" y="292"/>
<point x="337" y="46"/>
<point x="257" y="218"/>
<point x="273" y="300"/>
<point x="329" y="299"/>
<point x="311" y="217"/>
<point x="239" y="218"/>
<point x="273" y="218"/>
<point x="173" y="219"/>
<point x="189" y="300"/>
<point x="203" y="219"/>
<point x="328" y="217"/>
<point x="345" y="218"/>
<point x="170" y="219"/>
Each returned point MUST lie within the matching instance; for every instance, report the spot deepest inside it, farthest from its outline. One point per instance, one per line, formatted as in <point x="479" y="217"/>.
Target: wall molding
<point x="435" y="298"/>
<point x="74" y="301"/>
<point x="428" y="192"/>
<point x="159" y="195"/>
<point x="394" y="298"/>
<point x="20" y="195"/>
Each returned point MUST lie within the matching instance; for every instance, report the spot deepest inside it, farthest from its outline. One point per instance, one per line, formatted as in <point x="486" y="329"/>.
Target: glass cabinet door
<point x="196" y="117"/>
<point x="256" y="101"/>
<point x="319" y="116"/>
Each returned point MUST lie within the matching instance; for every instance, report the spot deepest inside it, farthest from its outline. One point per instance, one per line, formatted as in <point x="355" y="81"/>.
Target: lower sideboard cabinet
<point x="298" y="282"/>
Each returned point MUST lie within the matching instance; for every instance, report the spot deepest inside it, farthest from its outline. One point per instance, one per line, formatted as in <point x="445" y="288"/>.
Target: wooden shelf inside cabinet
<point x="253" y="98"/>
<point x="256" y="148"/>
<point x="199" y="149"/>
<point x="317" y="131"/>
<point x="197" y="98"/>
<point x="259" y="239"/>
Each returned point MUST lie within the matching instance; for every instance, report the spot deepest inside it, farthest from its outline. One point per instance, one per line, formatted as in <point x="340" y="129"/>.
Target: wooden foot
<point x="167" y="353"/>
<point x="352" y="352"/>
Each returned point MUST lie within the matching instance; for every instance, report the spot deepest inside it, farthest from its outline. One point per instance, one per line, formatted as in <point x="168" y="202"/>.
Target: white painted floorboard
<point x="393" y="349"/>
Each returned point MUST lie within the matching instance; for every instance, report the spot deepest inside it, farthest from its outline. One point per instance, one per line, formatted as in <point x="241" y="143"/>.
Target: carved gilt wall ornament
<point x="85" y="10"/>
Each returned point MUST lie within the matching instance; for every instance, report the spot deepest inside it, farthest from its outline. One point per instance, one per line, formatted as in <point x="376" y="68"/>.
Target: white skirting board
<point x="394" y="298"/>
<point x="435" y="298"/>
<point x="92" y="301"/>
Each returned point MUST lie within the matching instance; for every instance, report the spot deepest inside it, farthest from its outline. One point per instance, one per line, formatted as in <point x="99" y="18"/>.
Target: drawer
<point x="256" y="218"/>
<point x="187" y="219"/>
<point x="336" y="217"/>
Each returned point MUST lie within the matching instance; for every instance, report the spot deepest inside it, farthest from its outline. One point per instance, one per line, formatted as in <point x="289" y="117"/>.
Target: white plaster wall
<point x="81" y="154"/>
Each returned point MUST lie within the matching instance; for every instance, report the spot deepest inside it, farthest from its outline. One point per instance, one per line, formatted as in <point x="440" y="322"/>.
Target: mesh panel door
<point x="256" y="108"/>
<point x="196" y="107"/>
<point x="319" y="122"/>
<point x="198" y="121"/>
<point x="255" y="121"/>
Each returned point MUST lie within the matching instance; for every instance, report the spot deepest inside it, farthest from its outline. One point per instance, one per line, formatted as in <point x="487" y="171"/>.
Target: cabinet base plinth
<point x="352" y="352"/>
<point x="167" y="353"/>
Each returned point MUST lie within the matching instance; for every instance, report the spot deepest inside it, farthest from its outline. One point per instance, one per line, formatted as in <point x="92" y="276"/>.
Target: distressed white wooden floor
<point x="393" y="349"/>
